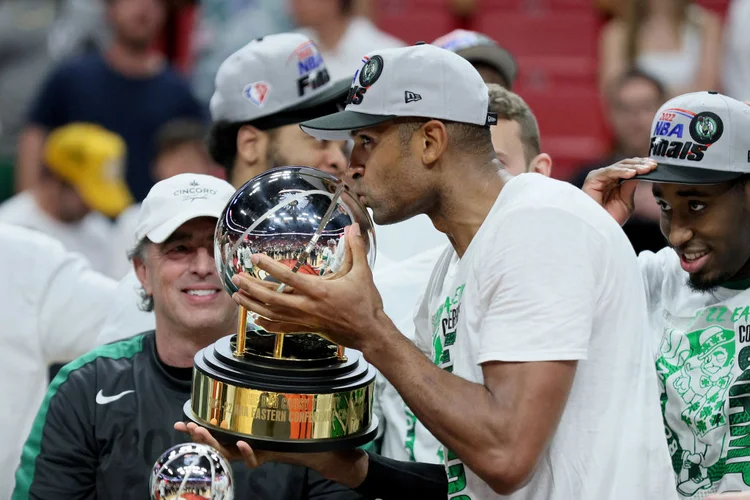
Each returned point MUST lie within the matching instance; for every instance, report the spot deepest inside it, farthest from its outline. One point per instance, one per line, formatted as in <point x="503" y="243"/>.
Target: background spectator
<point x="342" y="37"/>
<point x="676" y="41"/>
<point x="224" y="27"/>
<point x="127" y="89"/>
<point x="80" y="186"/>
<point x="53" y="306"/>
<point x="632" y="102"/>
<point x="33" y="33"/>
<point x="493" y="62"/>
<point x="181" y="149"/>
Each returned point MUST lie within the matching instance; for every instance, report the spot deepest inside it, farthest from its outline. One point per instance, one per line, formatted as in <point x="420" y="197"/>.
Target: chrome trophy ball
<point x="192" y="471"/>
<point x="295" y="215"/>
<point x="297" y="392"/>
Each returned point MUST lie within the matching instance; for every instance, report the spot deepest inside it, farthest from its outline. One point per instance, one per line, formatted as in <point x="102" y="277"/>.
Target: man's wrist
<point x="347" y="467"/>
<point x="380" y="336"/>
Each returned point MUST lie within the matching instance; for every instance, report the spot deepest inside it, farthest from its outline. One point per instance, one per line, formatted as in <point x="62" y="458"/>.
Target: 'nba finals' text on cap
<point x="92" y="160"/>
<point x="418" y="81"/>
<point x="700" y="138"/>
<point x="478" y="48"/>
<point x="276" y="80"/>
<point x="179" y="199"/>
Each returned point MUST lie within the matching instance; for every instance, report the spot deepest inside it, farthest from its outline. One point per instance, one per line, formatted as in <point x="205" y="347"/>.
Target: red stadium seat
<point x="414" y="20"/>
<point x="571" y="123"/>
<point x="549" y="33"/>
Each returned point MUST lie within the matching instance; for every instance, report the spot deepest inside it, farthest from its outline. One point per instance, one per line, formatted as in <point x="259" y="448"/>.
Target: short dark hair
<point x="510" y="106"/>
<point x="464" y="137"/>
<point x="139" y="251"/>
<point x="222" y="143"/>
<point x="638" y="74"/>
<point x="178" y="132"/>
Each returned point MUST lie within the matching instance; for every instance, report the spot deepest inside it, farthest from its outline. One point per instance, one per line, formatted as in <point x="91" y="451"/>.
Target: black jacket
<point x="107" y="418"/>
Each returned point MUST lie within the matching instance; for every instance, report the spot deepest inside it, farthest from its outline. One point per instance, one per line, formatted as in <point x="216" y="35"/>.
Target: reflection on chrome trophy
<point x="294" y="392"/>
<point x="191" y="471"/>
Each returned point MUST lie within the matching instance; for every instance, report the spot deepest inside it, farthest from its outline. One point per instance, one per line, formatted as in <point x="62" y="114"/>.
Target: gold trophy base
<point x="290" y="404"/>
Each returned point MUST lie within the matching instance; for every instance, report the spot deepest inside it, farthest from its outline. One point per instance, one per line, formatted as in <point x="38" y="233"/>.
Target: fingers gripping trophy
<point x="284" y="392"/>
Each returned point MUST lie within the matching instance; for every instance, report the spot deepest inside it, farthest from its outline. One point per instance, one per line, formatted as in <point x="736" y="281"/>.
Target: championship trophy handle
<point x="239" y="350"/>
<point x="278" y="345"/>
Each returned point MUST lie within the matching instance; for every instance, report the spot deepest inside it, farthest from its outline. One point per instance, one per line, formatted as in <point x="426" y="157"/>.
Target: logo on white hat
<point x="257" y="92"/>
<point x="312" y="72"/>
<point x="410" y="96"/>
<point x="706" y="128"/>
<point x="194" y="192"/>
<point x="371" y="71"/>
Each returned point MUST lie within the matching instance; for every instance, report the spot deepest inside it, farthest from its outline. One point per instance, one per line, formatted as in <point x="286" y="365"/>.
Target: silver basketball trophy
<point x="285" y="392"/>
<point x="192" y="471"/>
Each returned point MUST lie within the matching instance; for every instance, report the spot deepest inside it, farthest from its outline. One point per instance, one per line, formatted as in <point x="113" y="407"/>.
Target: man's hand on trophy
<point x="607" y="187"/>
<point x="345" y="308"/>
<point x="348" y="467"/>
<point x="241" y="451"/>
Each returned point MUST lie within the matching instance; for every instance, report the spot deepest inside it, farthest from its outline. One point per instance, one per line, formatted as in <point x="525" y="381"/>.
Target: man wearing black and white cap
<point x="698" y="288"/>
<point x="538" y="381"/>
<point x="493" y="62"/>
<point x="263" y="91"/>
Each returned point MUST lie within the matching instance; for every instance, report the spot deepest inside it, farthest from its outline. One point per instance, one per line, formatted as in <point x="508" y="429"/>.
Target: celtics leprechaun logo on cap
<point x="371" y="71"/>
<point x="706" y="128"/>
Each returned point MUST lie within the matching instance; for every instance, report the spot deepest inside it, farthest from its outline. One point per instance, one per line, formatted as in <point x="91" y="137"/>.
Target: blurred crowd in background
<point x="134" y="78"/>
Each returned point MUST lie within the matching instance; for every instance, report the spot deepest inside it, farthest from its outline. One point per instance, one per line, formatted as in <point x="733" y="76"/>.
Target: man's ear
<point x="541" y="164"/>
<point x="433" y="141"/>
<point x="139" y="266"/>
<point x="252" y="145"/>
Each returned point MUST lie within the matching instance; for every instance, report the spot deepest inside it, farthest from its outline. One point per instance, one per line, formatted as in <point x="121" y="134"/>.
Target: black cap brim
<point x="678" y="174"/>
<point x="494" y="56"/>
<point x="334" y="95"/>
<point x="338" y="126"/>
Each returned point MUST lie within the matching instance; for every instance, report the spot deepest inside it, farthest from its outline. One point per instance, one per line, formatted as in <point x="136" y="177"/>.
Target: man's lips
<point x="201" y="294"/>
<point x="693" y="261"/>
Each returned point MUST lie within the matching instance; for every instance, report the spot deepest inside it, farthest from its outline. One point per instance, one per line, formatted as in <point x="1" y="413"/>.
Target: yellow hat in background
<point x="92" y="160"/>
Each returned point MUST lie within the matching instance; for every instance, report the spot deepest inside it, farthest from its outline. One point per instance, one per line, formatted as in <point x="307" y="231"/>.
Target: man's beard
<point x="706" y="286"/>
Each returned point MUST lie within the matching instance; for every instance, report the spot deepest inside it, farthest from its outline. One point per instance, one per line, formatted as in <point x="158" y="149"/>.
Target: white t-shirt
<point x="401" y="285"/>
<point x="550" y="276"/>
<point x="360" y="38"/>
<point x="91" y="236"/>
<point x="703" y="366"/>
<point x="123" y="240"/>
<point x="52" y="306"/>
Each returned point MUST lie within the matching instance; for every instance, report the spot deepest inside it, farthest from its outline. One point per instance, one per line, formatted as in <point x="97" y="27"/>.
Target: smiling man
<point x="531" y="367"/>
<point x="697" y="289"/>
<point x="108" y="415"/>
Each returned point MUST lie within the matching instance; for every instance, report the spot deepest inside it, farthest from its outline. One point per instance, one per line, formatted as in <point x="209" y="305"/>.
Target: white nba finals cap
<point x="478" y="48"/>
<point x="280" y="77"/>
<point x="178" y="199"/>
<point x="700" y="138"/>
<point x="420" y="81"/>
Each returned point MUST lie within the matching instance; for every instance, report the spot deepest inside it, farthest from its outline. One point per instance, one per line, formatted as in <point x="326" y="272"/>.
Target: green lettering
<point x="743" y="358"/>
<point x="711" y="310"/>
<point x="739" y="468"/>
<point x="736" y="314"/>
<point x="746" y="313"/>
<point x="446" y="357"/>
<point x="722" y="311"/>
<point x="450" y="338"/>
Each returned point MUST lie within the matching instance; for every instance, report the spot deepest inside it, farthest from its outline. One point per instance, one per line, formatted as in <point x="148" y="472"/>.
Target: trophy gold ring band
<point x="281" y="416"/>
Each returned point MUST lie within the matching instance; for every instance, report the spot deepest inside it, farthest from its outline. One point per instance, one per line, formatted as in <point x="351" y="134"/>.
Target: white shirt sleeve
<point x="70" y="297"/>
<point x="653" y="270"/>
<point x="539" y="289"/>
